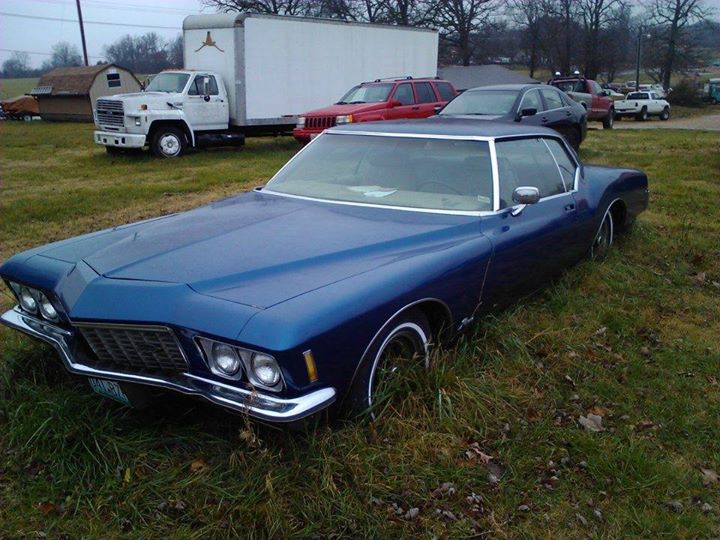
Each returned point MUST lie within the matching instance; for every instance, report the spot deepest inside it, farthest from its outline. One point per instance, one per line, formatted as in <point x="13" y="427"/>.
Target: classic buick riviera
<point x="306" y="294"/>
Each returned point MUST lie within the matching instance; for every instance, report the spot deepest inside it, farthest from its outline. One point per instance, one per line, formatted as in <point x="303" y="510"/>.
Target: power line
<point x="58" y="19"/>
<point x="126" y="7"/>
<point x="42" y="53"/>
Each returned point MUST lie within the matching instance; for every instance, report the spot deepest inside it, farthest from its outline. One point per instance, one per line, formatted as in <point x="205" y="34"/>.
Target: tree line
<point x="596" y="37"/>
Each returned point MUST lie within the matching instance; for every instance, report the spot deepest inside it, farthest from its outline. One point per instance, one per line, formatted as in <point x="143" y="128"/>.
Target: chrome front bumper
<point x="121" y="140"/>
<point x="260" y="406"/>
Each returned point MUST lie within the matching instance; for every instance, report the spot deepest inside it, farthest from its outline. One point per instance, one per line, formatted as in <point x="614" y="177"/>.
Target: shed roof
<point x="69" y="81"/>
<point x="464" y="77"/>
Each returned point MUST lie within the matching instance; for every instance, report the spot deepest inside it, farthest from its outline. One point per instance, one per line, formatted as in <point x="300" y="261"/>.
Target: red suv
<point x="381" y="99"/>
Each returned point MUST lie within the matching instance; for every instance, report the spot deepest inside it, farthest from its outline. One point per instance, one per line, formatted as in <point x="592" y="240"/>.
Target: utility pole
<point x="637" y="59"/>
<point x="82" y="32"/>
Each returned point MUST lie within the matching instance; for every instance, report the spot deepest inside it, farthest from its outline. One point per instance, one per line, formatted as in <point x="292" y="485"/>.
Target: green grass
<point x="76" y="465"/>
<point x="15" y="87"/>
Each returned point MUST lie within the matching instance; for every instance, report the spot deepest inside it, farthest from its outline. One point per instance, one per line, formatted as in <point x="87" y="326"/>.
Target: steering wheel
<point x="450" y="188"/>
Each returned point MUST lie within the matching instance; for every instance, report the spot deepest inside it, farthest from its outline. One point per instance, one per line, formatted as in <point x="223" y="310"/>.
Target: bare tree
<point x="671" y="17"/>
<point x="273" y="7"/>
<point x="564" y="13"/>
<point x="527" y="14"/>
<point x="596" y="16"/>
<point x="64" y="54"/>
<point x="459" y="20"/>
<point x="18" y="65"/>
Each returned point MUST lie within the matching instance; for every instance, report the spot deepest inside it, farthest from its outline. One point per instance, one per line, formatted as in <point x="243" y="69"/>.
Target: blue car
<point x="312" y="294"/>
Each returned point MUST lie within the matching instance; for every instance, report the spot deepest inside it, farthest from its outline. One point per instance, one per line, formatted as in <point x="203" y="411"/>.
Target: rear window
<point x="490" y="102"/>
<point x="425" y="92"/>
<point x="446" y="91"/>
<point x="570" y="86"/>
<point x="637" y="95"/>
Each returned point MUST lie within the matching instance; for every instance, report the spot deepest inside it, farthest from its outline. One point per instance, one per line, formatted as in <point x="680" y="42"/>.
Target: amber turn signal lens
<point x="310" y="366"/>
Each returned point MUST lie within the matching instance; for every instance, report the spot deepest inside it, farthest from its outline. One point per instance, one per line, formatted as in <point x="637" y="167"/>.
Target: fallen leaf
<point x="592" y="422"/>
<point x="198" y="466"/>
<point x="599" y="411"/>
<point x="675" y="506"/>
<point x="47" y="508"/>
<point x="412" y="514"/>
<point x="698" y="278"/>
<point x="709" y="476"/>
<point x="602" y="331"/>
<point x="127" y="475"/>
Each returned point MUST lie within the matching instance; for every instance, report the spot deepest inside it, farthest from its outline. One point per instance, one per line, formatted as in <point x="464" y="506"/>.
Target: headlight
<point x="344" y="119"/>
<point x="301" y="122"/>
<point x="226" y="359"/>
<point x="47" y="310"/>
<point x="265" y="369"/>
<point x="27" y="300"/>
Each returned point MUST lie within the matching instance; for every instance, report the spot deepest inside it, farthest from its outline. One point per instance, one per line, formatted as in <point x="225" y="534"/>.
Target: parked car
<point x="642" y="105"/>
<point x="386" y="99"/>
<point x="321" y="288"/>
<point x="711" y="91"/>
<point x="590" y="95"/>
<point x="527" y="104"/>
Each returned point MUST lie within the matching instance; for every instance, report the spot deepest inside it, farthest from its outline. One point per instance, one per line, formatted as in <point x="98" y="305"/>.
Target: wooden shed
<point x="69" y="94"/>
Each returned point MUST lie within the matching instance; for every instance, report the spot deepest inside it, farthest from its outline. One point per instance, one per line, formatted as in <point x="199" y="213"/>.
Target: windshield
<point x="637" y="95"/>
<point x="482" y="102"/>
<point x="371" y="93"/>
<point x="425" y="173"/>
<point x="168" y="82"/>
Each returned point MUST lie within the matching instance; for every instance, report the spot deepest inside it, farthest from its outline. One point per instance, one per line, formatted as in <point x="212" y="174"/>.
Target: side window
<point x="445" y="90"/>
<point x="425" y="93"/>
<point x="526" y="162"/>
<point x="565" y="164"/>
<point x="197" y="87"/>
<point x="595" y="87"/>
<point x="552" y="98"/>
<point x="404" y="94"/>
<point x="531" y="100"/>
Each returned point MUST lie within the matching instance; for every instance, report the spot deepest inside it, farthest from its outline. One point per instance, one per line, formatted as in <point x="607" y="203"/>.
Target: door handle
<point x="544" y="119"/>
<point x="416" y="108"/>
<point x="568" y="113"/>
<point x="569" y="207"/>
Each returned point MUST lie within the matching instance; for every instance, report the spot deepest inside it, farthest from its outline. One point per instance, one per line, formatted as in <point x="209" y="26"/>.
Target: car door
<point x="558" y="114"/>
<point x="407" y="108"/>
<point x="535" y="245"/>
<point x="205" y="111"/>
<point x="426" y="99"/>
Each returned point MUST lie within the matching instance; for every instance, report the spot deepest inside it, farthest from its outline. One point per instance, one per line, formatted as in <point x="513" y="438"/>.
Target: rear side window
<point x="526" y="162"/>
<point x="404" y="94"/>
<point x="531" y="100"/>
<point x="565" y="164"/>
<point x="425" y="93"/>
<point x="445" y="90"/>
<point x="552" y="98"/>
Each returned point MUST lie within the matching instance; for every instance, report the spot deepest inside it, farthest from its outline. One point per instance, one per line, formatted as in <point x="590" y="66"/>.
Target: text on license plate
<point x="109" y="389"/>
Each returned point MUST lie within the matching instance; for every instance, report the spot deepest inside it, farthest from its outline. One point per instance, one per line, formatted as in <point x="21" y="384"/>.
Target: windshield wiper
<point x="356" y="102"/>
<point x="341" y="103"/>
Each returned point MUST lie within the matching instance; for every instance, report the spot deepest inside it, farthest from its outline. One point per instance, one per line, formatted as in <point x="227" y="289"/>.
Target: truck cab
<point x="178" y="109"/>
<point x="589" y="94"/>
<point x="381" y="99"/>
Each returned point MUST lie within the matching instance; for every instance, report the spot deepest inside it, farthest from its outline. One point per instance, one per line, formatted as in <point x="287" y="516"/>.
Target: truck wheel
<point x="642" y="115"/>
<point x="168" y="142"/>
<point x="609" y="120"/>
<point x="665" y="114"/>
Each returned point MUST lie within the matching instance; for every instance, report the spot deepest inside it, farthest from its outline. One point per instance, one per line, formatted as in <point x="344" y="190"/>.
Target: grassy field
<point x="16" y="87"/>
<point x="490" y="446"/>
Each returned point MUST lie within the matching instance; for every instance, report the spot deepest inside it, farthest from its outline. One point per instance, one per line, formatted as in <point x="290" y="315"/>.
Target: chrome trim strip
<point x="253" y="403"/>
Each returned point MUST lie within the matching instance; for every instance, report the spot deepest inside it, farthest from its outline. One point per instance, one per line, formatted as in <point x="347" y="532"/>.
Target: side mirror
<point x="206" y="86"/>
<point x="522" y="196"/>
<point x="530" y="111"/>
<point x="437" y="109"/>
<point x="394" y="103"/>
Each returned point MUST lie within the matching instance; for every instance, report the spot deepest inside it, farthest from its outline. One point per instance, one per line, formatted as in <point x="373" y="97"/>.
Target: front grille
<point x="321" y="122"/>
<point x="134" y="349"/>
<point x="110" y="112"/>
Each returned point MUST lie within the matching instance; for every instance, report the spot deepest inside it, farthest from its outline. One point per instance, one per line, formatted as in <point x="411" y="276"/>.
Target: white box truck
<point x="248" y="74"/>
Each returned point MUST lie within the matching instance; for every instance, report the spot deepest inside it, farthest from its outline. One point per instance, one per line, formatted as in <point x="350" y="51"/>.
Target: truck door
<point x="407" y="108"/>
<point x="206" y="107"/>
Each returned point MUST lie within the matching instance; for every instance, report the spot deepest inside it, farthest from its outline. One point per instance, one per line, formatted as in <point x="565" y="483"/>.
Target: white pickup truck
<point x="251" y="74"/>
<point x="642" y="105"/>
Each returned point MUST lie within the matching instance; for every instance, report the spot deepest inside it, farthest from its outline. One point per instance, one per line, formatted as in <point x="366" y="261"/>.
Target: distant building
<point x="69" y="94"/>
<point x="464" y="77"/>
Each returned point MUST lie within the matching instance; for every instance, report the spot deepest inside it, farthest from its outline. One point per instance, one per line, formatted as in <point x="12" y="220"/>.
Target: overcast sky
<point x="105" y="21"/>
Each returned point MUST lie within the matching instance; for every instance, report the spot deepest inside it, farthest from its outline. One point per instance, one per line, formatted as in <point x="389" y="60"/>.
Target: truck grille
<point x="134" y="349"/>
<point x="319" y="122"/>
<point x="110" y="112"/>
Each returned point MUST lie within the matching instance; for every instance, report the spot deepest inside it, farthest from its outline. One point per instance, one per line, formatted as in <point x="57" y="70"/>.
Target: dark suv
<point x="381" y="99"/>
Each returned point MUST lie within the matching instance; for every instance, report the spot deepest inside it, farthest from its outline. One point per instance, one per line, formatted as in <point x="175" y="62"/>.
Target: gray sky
<point x="37" y="34"/>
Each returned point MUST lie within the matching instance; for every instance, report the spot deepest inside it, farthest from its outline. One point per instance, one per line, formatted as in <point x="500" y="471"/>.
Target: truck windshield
<point x="492" y="102"/>
<point x="168" y="82"/>
<point x="372" y="93"/>
<point x="409" y="172"/>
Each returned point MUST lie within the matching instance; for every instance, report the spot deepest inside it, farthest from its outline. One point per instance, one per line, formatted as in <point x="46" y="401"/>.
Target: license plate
<point x="109" y="389"/>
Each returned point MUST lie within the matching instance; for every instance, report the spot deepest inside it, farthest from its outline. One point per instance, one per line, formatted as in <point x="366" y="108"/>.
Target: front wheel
<point x="609" y="120"/>
<point x="385" y="377"/>
<point x="665" y="114"/>
<point x="603" y="239"/>
<point x="168" y="142"/>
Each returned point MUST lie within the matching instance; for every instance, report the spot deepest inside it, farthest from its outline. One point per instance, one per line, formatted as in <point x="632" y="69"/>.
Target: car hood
<point x="337" y="110"/>
<point x="260" y="249"/>
<point x="474" y="116"/>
